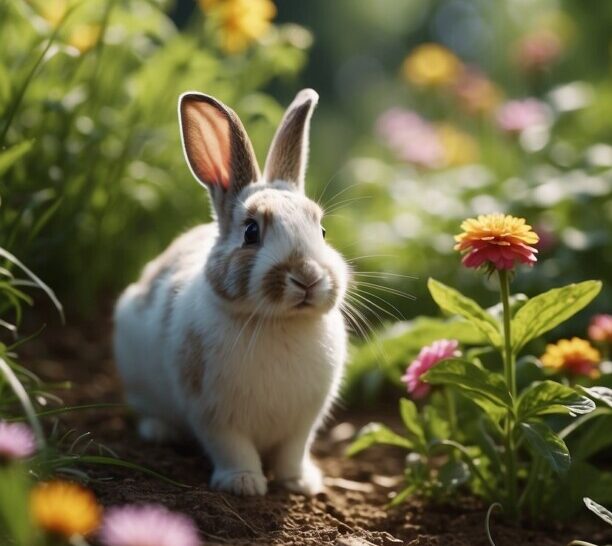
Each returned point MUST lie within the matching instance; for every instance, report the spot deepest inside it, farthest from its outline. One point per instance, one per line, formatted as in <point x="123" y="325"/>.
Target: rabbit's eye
<point x="251" y="233"/>
<point x="323" y="231"/>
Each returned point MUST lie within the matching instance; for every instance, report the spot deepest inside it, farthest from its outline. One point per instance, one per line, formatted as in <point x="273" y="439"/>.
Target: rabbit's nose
<point x="306" y="274"/>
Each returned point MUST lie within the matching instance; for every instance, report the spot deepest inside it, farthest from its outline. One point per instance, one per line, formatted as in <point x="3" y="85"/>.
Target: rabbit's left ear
<point x="288" y="153"/>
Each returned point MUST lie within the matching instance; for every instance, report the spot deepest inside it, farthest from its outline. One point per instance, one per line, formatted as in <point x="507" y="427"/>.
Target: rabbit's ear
<point x="288" y="153"/>
<point x="217" y="148"/>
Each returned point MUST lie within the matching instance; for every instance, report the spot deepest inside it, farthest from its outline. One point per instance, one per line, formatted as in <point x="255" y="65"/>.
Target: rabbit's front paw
<point x="240" y="483"/>
<point x="309" y="483"/>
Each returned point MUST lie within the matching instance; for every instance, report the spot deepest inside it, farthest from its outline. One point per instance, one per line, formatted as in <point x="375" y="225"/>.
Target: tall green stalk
<point x="510" y="375"/>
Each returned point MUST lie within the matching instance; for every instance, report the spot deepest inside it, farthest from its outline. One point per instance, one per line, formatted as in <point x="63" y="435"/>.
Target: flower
<point x="147" y="525"/>
<point x="64" y="508"/>
<point x="16" y="441"/>
<point x="412" y="138"/>
<point x="458" y="147"/>
<point x="538" y="50"/>
<point x="600" y="328"/>
<point x="517" y="115"/>
<point x="476" y="93"/>
<point x="427" y="358"/>
<point x="241" y="21"/>
<point x="84" y="37"/>
<point x="497" y="240"/>
<point x="431" y="65"/>
<point x="53" y="11"/>
<point x="575" y="356"/>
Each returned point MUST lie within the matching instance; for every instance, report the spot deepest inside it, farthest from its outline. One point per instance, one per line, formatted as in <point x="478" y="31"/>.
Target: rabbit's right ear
<point x="217" y="149"/>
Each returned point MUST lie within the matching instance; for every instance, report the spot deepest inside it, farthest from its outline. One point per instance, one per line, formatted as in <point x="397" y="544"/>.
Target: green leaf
<point x="552" y="397"/>
<point x="375" y="433"/>
<point x="11" y="155"/>
<point x="603" y="394"/>
<point x="452" y="301"/>
<point x="546" y="443"/>
<point x="410" y="417"/>
<point x="598" y="510"/>
<point x="470" y="379"/>
<point x="436" y="424"/>
<point x="548" y="310"/>
<point x="402" y="496"/>
<point x="594" y="439"/>
<point x="453" y="474"/>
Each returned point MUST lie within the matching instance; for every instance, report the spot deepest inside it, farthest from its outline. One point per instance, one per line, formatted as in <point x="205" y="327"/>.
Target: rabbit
<point x="235" y="333"/>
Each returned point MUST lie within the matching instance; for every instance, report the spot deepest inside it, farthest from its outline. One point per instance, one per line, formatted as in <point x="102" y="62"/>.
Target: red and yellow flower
<point x="497" y="241"/>
<point x="574" y="356"/>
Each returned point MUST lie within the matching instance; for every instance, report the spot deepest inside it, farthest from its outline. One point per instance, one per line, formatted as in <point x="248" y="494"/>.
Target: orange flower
<point x="65" y="508"/>
<point x="476" y="93"/>
<point x="241" y="22"/>
<point x="496" y="240"/>
<point x="432" y="65"/>
<point x="575" y="356"/>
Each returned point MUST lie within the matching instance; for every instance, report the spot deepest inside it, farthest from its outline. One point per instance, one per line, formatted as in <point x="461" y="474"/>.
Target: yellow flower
<point x="431" y="65"/>
<point x="496" y="240"/>
<point x="84" y="37"/>
<point x="458" y="148"/>
<point x="575" y="356"/>
<point x="53" y="11"/>
<point x="65" y="508"/>
<point x="241" y="22"/>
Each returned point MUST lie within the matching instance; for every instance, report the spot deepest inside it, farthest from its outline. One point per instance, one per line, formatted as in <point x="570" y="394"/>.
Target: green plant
<point x="511" y="445"/>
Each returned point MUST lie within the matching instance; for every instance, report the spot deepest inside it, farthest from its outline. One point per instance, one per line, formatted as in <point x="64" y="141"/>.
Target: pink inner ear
<point x="206" y="133"/>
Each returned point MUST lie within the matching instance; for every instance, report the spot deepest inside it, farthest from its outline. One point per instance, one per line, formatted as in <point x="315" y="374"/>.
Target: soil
<point x="351" y="511"/>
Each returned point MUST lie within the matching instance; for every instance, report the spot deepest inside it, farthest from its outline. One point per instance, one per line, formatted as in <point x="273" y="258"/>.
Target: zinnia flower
<point x="431" y="65"/>
<point x="476" y="93"/>
<point x="412" y="138"/>
<point x="427" y="358"/>
<point x="241" y="22"/>
<point x="459" y="148"/>
<point x="600" y="328"/>
<point x="575" y="356"/>
<point x="64" y="508"/>
<point x="496" y="240"/>
<point x="147" y="525"/>
<point x="517" y="115"/>
<point x="538" y="50"/>
<point x="16" y="441"/>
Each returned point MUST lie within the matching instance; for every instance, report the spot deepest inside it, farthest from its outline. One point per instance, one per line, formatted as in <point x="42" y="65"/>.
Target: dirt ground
<point x="349" y="513"/>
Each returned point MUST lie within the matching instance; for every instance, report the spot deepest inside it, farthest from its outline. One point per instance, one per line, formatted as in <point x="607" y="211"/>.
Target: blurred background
<point x="431" y="111"/>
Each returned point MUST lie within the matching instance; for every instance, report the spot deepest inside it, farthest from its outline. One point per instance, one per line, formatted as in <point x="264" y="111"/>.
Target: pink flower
<point x="147" y="525"/>
<point x="517" y="115"/>
<point x="600" y="328"/>
<point x="429" y="356"/>
<point x="538" y="50"/>
<point x="16" y="441"/>
<point x="411" y="138"/>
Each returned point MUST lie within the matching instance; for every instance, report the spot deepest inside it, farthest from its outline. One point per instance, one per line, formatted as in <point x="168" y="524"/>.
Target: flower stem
<point x="510" y="375"/>
<point x="451" y="412"/>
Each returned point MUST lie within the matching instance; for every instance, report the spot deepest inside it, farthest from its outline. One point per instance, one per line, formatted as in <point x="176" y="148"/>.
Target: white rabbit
<point x="235" y="334"/>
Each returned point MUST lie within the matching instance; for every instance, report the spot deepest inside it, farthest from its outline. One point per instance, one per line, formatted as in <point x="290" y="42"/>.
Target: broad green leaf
<point x="594" y="439"/>
<point x="11" y="155"/>
<point x="436" y="424"/>
<point x="402" y="496"/>
<point x="603" y="394"/>
<point x="552" y="397"/>
<point x="410" y="417"/>
<point x="546" y="311"/>
<point x="452" y="301"/>
<point x="598" y="510"/>
<point x="546" y="443"/>
<point x="375" y="433"/>
<point x="470" y="379"/>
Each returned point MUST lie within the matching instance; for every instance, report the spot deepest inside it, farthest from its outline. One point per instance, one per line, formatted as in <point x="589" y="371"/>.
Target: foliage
<point x="512" y="446"/>
<point x="89" y="126"/>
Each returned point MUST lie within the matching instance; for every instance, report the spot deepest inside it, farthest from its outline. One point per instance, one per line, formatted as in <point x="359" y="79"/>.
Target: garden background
<point x="430" y="112"/>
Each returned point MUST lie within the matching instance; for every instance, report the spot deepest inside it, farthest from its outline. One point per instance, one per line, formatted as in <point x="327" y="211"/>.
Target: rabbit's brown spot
<point x="274" y="281"/>
<point x="192" y="362"/>
<point x="229" y="272"/>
